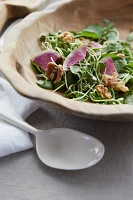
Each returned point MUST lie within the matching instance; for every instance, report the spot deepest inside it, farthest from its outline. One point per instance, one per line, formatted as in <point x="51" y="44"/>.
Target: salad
<point x="92" y="65"/>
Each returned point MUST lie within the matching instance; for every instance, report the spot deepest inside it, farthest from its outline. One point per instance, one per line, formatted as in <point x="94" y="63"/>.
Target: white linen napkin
<point x="13" y="139"/>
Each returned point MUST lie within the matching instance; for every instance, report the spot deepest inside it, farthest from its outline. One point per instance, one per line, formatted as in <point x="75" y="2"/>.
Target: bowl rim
<point x="83" y="109"/>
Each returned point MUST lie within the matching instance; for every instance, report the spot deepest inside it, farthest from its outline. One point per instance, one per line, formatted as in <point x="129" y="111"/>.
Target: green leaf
<point x="126" y="47"/>
<point x="65" y="52"/>
<point x="130" y="82"/>
<point x="108" y="23"/>
<point x="130" y="37"/>
<point x="91" y="78"/>
<point x="59" y="85"/>
<point x="129" y="68"/>
<point x="70" y="78"/>
<point x="122" y="75"/>
<point x="126" y="80"/>
<point x="113" y="34"/>
<point x="47" y="84"/>
<point x="113" y="46"/>
<point x="101" y="66"/>
<point x="112" y="55"/>
<point x="89" y="34"/>
<point x="37" y="67"/>
<point x="93" y="31"/>
<point x="129" y="98"/>
<point x="73" y="33"/>
<point x="75" y="69"/>
<point x="119" y="63"/>
<point x="130" y="64"/>
<point x="42" y="76"/>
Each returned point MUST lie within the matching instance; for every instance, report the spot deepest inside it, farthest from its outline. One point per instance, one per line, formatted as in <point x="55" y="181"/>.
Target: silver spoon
<point x="62" y="148"/>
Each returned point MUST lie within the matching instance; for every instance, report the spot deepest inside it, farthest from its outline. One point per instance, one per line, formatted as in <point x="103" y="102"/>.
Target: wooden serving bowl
<point x="22" y="41"/>
<point x="18" y="8"/>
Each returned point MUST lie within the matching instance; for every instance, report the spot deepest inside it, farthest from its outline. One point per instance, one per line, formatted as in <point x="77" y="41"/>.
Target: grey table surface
<point x="24" y="177"/>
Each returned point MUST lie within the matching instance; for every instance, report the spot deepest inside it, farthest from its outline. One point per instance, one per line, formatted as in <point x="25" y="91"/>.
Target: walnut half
<point x="112" y="81"/>
<point x="121" y="87"/>
<point x="103" y="91"/>
<point x="54" y="72"/>
<point x="66" y="37"/>
<point x="109" y="80"/>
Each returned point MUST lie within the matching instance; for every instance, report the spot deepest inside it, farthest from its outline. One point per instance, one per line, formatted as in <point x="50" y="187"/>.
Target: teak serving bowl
<point x="18" y="8"/>
<point x="74" y="15"/>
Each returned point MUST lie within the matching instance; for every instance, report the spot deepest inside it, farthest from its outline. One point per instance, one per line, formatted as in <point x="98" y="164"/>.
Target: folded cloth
<point x="13" y="139"/>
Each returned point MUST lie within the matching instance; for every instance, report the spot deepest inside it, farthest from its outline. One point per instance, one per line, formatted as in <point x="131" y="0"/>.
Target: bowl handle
<point x="4" y="16"/>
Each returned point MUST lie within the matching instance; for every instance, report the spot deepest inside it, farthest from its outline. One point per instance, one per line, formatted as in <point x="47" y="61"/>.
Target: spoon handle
<point x="17" y="122"/>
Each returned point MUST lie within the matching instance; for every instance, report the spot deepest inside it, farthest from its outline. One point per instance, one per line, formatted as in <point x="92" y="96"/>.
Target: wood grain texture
<point x="23" y="41"/>
<point x="4" y="15"/>
<point x="18" y="8"/>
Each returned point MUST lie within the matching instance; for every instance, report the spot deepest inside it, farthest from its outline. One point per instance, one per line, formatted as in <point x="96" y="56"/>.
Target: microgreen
<point x="130" y="37"/>
<point x="80" y="78"/>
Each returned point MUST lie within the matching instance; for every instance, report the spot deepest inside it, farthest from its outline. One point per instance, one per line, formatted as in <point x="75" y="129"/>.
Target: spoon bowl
<point x="68" y="149"/>
<point x="62" y="148"/>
